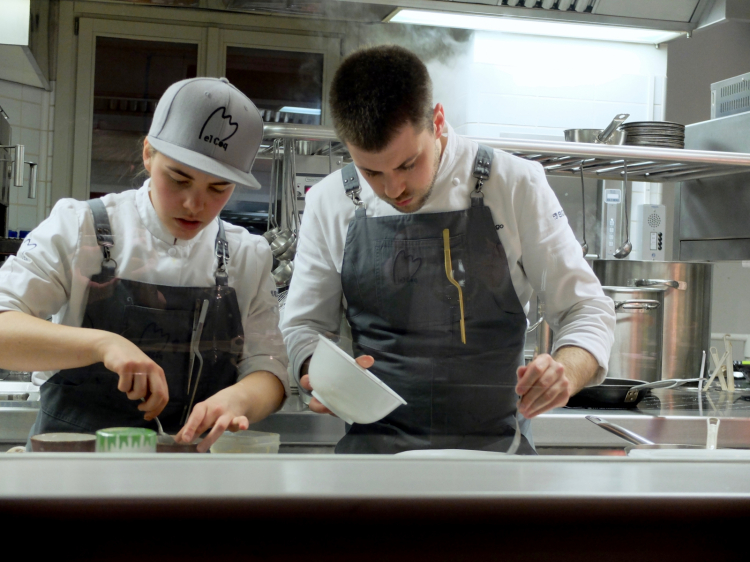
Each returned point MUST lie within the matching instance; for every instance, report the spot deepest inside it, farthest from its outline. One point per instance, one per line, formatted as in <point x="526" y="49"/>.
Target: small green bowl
<point x="126" y="440"/>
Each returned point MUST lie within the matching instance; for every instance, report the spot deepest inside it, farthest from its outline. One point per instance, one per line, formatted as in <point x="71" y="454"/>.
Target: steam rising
<point x="430" y="44"/>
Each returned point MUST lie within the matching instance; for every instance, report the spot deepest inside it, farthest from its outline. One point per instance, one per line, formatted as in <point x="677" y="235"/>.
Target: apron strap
<point x="351" y="184"/>
<point x="482" y="166"/>
<point x="104" y="236"/>
<point x="222" y="253"/>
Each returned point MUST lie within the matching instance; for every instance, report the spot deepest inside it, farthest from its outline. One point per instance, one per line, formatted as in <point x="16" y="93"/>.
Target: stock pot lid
<point x="614" y="289"/>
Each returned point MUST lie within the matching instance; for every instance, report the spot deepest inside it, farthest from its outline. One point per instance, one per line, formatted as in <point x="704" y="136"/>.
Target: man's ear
<point x="438" y="120"/>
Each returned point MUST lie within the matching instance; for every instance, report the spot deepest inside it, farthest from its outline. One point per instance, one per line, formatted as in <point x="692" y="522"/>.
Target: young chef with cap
<point x="152" y="297"/>
<point x="379" y="234"/>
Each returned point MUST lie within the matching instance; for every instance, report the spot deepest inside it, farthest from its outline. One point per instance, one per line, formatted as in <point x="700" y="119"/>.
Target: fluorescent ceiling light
<point x="14" y="22"/>
<point x="531" y="26"/>
<point x="302" y="110"/>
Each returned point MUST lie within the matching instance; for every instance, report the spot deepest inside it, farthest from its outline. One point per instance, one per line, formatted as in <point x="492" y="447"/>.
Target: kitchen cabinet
<point x="124" y="58"/>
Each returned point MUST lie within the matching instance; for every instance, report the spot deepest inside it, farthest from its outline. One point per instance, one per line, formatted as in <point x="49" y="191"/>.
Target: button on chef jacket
<point x="49" y="276"/>
<point x="542" y="250"/>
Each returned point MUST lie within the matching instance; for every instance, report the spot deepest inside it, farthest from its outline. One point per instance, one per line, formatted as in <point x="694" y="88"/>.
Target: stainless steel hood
<point x="669" y="15"/>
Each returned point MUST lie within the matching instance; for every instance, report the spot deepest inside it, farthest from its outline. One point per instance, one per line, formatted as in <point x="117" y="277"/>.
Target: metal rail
<point x="559" y="158"/>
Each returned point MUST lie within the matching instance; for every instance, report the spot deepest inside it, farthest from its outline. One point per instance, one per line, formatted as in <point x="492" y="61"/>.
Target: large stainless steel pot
<point x="687" y="307"/>
<point x="637" y="351"/>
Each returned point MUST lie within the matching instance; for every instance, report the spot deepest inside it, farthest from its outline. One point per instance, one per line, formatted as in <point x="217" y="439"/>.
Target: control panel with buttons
<point x="653" y="223"/>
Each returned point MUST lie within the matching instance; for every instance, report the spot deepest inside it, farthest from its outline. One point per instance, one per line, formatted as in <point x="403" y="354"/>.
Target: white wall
<point x="522" y="86"/>
<point x="31" y="114"/>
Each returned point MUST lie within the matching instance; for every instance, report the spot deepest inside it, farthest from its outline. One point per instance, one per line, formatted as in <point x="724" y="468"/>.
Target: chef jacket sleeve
<point x="314" y="302"/>
<point x="575" y="305"/>
<point x="38" y="280"/>
<point x="264" y="346"/>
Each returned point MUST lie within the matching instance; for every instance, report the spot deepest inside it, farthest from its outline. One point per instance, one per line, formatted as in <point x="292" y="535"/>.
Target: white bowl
<point x="351" y="392"/>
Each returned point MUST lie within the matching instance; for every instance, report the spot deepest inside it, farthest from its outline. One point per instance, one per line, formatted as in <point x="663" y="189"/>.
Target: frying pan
<point x="620" y="393"/>
<point x="638" y="441"/>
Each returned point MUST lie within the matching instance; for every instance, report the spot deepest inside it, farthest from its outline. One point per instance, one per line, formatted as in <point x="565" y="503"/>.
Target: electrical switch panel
<point x="653" y="224"/>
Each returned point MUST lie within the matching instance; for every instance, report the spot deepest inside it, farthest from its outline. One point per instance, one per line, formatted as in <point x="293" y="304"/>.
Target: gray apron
<point x="404" y="311"/>
<point x="159" y="319"/>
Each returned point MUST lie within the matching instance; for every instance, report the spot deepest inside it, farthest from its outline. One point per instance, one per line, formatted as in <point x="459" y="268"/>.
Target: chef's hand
<point x="222" y="412"/>
<point x="139" y="376"/>
<point x="233" y="409"/>
<point x="365" y="361"/>
<point x="542" y="385"/>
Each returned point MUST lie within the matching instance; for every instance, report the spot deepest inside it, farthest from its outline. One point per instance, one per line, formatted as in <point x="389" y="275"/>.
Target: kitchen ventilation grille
<point x="560" y="5"/>
<point x="730" y="96"/>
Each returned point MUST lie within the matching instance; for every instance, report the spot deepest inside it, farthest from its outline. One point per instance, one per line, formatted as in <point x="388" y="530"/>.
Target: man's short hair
<point x="375" y="92"/>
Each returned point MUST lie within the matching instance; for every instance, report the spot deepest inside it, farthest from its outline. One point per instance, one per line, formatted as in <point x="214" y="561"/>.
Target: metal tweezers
<point x="199" y="320"/>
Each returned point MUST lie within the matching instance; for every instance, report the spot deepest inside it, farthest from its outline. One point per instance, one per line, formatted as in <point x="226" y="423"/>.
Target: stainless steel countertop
<point x="33" y="476"/>
<point x="668" y="416"/>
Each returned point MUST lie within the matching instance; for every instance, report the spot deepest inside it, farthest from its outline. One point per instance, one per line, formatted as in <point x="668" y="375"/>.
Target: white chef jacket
<point x="543" y="253"/>
<point x="49" y="276"/>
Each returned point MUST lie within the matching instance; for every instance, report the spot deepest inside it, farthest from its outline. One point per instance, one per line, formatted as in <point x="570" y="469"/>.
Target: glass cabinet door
<point x="287" y="77"/>
<point x="123" y="69"/>
<point x="286" y="86"/>
<point x="130" y="77"/>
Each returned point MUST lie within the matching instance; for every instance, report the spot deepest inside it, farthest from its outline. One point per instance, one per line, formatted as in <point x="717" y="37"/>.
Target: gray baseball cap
<point x="209" y="125"/>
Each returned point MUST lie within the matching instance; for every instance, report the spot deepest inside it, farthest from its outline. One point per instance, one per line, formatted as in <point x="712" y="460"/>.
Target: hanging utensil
<point x="624" y="250"/>
<point x="449" y="274"/>
<point x="287" y="233"/>
<point x="272" y="224"/>
<point x="584" y="244"/>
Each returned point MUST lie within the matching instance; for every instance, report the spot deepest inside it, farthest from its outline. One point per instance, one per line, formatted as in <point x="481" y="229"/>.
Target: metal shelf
<point x="645" y="164"/>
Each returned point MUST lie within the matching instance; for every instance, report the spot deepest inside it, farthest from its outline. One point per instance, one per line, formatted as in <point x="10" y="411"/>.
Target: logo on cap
<point x="213" y="126"/>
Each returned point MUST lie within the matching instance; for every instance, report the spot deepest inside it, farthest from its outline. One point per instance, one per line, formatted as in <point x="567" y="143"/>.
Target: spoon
<point x="584" y="244"/>
<point x="624" y="250"/>
<point x="159" y="429"/>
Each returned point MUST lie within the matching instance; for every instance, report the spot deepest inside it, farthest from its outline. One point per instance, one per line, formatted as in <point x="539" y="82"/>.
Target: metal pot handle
<point x="620" y="431"/>
<point x="665" y="283"/>
<point x="535" y="325"/>
<point x="637" y="304"/>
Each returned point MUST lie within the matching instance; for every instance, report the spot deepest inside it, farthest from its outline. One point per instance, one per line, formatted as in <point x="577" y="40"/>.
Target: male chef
<point x="432" y="244"/>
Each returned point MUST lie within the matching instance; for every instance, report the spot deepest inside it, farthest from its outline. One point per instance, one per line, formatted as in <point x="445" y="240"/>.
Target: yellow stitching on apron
<point x="449" y="275"/>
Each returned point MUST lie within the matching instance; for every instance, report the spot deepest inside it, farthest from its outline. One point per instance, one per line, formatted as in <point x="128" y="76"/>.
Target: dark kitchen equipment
<point x="620" y="393"/>
<point x="63" y="443"/>
<point x="166" y="444"/>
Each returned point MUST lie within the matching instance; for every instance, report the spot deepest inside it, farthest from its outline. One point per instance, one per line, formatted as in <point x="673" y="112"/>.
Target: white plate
<point x="697" y="454"/>
<point x="449" y="454"/>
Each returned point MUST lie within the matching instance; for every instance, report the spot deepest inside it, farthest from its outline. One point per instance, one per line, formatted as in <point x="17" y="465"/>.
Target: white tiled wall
<point x="31" y="114"/>
<point x="522" y="86"/>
